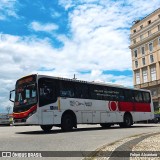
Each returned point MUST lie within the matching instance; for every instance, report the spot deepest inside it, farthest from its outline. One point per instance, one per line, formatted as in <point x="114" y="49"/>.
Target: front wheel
<point x="46" y="128"/>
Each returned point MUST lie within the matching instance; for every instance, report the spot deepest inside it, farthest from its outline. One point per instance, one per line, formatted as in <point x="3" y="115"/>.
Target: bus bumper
<point x="32" y="120"/>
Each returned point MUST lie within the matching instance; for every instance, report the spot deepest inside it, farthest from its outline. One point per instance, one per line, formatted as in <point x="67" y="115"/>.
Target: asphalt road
<point x="85" y="138"/>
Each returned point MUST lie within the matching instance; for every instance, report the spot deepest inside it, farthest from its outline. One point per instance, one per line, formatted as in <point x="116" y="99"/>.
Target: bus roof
<point x="93" y="82"/>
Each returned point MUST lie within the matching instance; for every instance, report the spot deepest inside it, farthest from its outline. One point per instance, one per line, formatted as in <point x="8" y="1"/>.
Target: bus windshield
<point x="25" y="93"/>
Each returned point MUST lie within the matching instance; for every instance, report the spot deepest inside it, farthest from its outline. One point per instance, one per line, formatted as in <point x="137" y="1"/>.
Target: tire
<point x="67" y="123"/>
<point x="127" y="121"/>
<point x="46" y="128"/>
<point x="155" y="120"/>
<point x="105" y="125"/>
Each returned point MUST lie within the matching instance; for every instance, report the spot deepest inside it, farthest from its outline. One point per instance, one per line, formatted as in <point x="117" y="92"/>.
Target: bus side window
<point x="146" y="97"/>
<point x="84" y="91"/>
<point x="67" y="89"/>
<point x="108" y="93"/>
<point x="118" y="94"/>
<point x="129" y="97"/>
<point x="81" y="90"/>
<point x="121" y="95"/>
<point x="47" y="92"/>
<point x="96" y="92"/>
<point x="138" y="96"/>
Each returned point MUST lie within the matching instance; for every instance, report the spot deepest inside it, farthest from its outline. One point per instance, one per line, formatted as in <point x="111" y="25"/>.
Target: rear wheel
<point x="46" y="128"/>
<point x="67" y="122"/>
<point x="127" y="121"/>
<point x="105" y="125"/>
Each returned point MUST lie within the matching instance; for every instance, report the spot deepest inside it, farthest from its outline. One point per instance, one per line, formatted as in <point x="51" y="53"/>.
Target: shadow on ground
<point x="56" y="131"/>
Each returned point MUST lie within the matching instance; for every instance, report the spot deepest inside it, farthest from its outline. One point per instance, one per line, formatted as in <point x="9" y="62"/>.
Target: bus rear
<point x="25" y="103"/>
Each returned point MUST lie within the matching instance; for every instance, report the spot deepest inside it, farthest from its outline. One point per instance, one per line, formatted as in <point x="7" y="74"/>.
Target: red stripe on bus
<point x="134" y="106"/>
<point x="24" y="114"/>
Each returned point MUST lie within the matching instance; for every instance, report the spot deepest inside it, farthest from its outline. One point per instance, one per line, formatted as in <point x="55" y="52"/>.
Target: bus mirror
<point x="10" y="97"/>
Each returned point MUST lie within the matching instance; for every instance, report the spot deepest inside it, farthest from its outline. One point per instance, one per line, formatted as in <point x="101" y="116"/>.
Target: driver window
<point x="47" y="91"/>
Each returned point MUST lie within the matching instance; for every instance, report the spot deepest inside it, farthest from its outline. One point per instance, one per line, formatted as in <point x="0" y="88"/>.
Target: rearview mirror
<point x="11" y="98"/>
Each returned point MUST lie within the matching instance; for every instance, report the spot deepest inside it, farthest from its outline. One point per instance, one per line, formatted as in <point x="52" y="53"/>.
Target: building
<point x="145" y="51"/>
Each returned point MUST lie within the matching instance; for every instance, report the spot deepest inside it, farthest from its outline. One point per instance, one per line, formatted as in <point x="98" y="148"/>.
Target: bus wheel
<point x="46" y="128"/>
<point x="67" y="122"/>
<point x="127" y="121"/>
<point x="105" y="125"/>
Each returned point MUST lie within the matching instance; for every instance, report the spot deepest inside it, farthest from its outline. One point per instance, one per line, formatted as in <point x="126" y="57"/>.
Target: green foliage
<point x="157" y="112"/>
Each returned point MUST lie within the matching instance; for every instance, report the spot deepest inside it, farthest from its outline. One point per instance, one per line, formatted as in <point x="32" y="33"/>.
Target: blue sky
<point x="89" y="38"/>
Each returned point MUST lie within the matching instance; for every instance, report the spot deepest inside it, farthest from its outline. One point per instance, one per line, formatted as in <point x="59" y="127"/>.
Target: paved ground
<point x="85" y="138"/>
<point x="144" y="146"/>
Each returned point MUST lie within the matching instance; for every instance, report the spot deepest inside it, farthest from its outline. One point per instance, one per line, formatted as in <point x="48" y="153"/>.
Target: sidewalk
<point x="145" y="146"/>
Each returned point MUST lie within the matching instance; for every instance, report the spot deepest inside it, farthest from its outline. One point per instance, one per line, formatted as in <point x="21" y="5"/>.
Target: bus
<point x="53" y="101"/>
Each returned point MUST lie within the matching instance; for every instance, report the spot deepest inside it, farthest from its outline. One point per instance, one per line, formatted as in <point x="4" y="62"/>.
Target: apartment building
<point x="145" y="51"/>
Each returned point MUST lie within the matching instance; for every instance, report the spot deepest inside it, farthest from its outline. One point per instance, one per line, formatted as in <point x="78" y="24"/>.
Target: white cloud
<point x="8" y="9"/>
<point x="66" y="4"/>
<point x="99" y="41"/>
<point x="27" y="55"/>
<point x="48" y="27"/>
<point x="54" y="13"/>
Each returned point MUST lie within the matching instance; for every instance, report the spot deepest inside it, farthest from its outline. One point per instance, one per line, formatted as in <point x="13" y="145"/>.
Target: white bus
<point x="51" y="101"/>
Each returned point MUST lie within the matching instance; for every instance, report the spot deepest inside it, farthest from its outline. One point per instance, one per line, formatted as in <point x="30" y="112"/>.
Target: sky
<point x="88" y="38"/>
